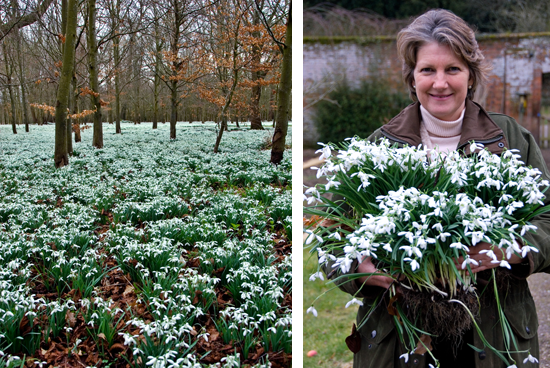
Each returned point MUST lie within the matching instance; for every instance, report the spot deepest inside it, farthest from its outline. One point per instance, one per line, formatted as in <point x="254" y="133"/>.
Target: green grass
<point x="327" y="332"/>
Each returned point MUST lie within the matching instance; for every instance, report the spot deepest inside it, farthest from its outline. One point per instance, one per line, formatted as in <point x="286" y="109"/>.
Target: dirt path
<point x="538" y="283"/>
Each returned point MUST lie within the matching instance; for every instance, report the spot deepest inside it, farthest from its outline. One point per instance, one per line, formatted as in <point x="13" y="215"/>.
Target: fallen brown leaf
<point x="424" y="345"/>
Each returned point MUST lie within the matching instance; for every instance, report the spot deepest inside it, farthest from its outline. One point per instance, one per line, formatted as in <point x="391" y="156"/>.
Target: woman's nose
<point x="440" y="81"/>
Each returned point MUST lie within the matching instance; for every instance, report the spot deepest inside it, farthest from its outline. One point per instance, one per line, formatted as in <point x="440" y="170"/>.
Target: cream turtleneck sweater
<point x="435" y="132"/>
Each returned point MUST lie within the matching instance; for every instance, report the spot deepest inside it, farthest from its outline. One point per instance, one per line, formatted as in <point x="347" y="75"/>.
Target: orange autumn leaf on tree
<point x="51" y="110"/>
<point x="87" y="91"/>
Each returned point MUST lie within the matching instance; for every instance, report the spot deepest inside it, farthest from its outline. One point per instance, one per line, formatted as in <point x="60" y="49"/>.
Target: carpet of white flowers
<point x="147" y="253"/>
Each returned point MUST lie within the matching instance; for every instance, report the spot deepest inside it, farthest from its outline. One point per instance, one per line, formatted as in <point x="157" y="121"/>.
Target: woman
<point x="442" y="67"/>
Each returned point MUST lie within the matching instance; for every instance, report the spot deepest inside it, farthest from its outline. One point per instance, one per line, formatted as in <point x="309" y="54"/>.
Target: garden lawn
<point x="148" y="253"/>
<point x="327" y="332"/>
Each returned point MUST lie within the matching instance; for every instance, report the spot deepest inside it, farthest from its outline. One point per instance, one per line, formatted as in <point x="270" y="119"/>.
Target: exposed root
<point x="434" y="314"/>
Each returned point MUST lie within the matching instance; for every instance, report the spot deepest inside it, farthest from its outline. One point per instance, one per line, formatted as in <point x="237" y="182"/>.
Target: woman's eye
<point x="454" y="69"/>
<point x="426" y="70"/>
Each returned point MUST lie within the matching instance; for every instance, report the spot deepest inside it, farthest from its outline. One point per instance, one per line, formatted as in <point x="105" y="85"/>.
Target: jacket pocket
<point x="521" y="313"/>
<point x="378" y="339"/>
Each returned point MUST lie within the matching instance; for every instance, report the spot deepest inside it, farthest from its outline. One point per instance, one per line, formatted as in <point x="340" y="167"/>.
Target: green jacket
<point x="380" y="346"/>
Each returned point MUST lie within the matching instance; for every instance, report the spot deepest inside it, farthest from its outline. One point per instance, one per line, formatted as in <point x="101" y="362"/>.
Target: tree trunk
<point x="9" y="71"/>
<point x="72" y="110"/>
<point x="255" y="76"/>
<point x="255" y="118"/>
<point x="61" y="157"/>
<point x="116" y="57"/>
<point x="174" y="47"/>
<point x="74" y="101"/>
<point x="174" y="110"/>
<point x="24" y="106"/>
<point x="283" y="98"/>
<point x="157" y="78"/>
<point x="97" y="140"/>
<point x="116" y="50"/>
<point x="272" y="104"/>
<point x="5" y="113"/>
<point x="225" y="107"/>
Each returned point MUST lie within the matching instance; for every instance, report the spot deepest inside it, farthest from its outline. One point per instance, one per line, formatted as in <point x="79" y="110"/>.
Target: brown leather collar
<point x="477" y="126"/>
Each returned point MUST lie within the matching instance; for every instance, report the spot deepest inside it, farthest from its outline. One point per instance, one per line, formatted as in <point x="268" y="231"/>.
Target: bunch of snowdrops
<point x="415" y="211"/>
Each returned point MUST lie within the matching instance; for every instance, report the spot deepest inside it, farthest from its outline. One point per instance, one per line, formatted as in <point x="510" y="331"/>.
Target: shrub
<point x="359" y="111"/>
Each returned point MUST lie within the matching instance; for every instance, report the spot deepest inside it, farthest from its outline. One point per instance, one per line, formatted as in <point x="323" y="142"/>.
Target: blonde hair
<point x="445" y="28"/>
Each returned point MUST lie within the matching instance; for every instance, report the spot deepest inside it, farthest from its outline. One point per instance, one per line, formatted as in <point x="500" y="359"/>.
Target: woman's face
<point x="441" y="81"/>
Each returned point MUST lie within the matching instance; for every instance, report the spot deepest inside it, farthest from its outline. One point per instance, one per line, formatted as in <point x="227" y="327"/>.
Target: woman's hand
<point x="366" y="266"/>
<point x="478" y="253"/>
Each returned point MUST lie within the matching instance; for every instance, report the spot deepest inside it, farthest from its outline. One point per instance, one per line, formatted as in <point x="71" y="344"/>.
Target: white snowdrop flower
<point x="489" y="253"/>
<point x="404" y="356"/>
<point x="468" y="261"/>
<point x="344" y="264"/>
<point x="526" y="228"/>
<point x="316" y="275"/>
<point x="438" y="227"/>
<point x="459" y="245"/>
<point x="505" y="198"/>
<point x="322" y="256"/>
<point x="513" y="366"/>
<point x="129" y="339"/>
<point x="443" y="236"/>
<point x="526" y="249"/>
<point x="474" y="147"/>
<point x="312" y="236"/>
<point x="354" y="301"/>
<point x="312" y="310"/>
<point x="502" y="263"/>
<point x="326" y="151"/>
<point x="513" y="206"/>
<point x="477" y="236"/>
<point x="388" y="248"/>
<point x="335" y="235"/>
<point x="152" y="361"/>
<point x="315" y="196"/>
<point x="351" y="251"/>
<point x="365" y="179"/>
<point x="332" y="183"/>
<point x="407" y="249"/>
<point x="530" y="359"/>
<point x="413" y="262"/>
<point x="408" y="235"/>
<point x="535" y="197"/>
<point x="421" y="243"/>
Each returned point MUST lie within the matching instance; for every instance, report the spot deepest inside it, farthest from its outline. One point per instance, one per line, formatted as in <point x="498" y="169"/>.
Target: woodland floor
<point x="131" y="255"/>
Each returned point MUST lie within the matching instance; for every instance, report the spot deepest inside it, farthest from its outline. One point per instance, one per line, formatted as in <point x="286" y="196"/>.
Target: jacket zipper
<point x="487" y="141"/>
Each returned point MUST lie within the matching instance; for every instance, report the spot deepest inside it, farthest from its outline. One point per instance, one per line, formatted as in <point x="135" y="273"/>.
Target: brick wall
<point x="515" y="83"/>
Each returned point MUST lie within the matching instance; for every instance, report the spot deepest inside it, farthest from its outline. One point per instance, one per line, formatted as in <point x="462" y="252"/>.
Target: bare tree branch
<point x="25" y="20"/>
